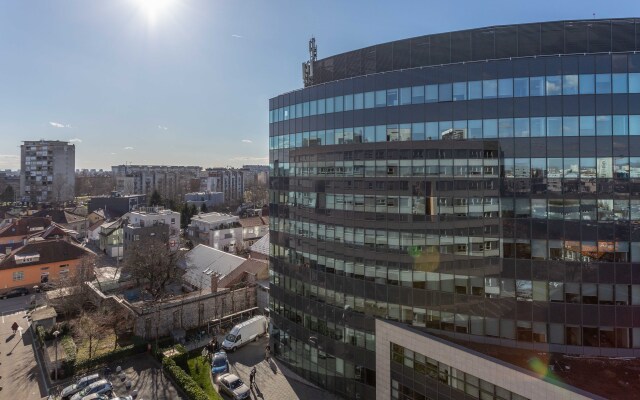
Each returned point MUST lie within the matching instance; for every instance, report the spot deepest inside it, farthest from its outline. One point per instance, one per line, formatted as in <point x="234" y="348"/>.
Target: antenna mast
<point x="307" y="67"/>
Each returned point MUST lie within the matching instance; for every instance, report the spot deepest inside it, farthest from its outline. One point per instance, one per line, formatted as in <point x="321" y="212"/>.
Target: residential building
<point x="47" y="171"/>
<point x="229" y="181"/>
<point x="443" y="197"/>
<point x="260" y="249"/>
<point x="10" y="178"/>
<point x="253" y="229"/>
<point x="15" y="230"/>
<point x="66" y="219"/>
<point x="152" y="222"/>
<point x="40" y="261"/>
<point x="111" y="238"/>
<point x="171" y="182"/>
<point x="117" y="204"/>
<point x="210" y="199"/>
<point x="220" y="231"/>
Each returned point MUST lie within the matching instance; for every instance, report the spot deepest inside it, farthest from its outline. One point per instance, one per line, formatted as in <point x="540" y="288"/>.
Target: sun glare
<point x="154" y="10"/>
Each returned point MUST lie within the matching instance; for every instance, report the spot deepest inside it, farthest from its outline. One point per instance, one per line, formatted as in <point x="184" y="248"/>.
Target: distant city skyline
<point x="186" y="82"/>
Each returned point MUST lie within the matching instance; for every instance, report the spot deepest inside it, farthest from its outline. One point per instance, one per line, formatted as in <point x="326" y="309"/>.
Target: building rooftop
<point x="262" y="245"/>
<point x="203" y="261"/>
<point x="43" y="252"/>
<point x="25" y="226"/>
<point x="254" y="221"/>
<point x="213" y="217"/>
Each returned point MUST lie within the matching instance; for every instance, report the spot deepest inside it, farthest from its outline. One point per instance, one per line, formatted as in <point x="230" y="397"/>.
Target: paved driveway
<point x="273" y="381"/>
<point x="21" y="375"/>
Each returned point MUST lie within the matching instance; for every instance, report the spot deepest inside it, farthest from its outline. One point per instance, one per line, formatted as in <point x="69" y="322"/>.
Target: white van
<point x="245" y="332"/>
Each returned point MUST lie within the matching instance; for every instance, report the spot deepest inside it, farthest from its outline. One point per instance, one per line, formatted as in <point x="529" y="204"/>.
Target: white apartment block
<point x="170" y="181"/>
<point x="227" y="232"/>
<point x="149" y="217"/>
<point x="47" y="171"/>
<point x="229" y="181"/>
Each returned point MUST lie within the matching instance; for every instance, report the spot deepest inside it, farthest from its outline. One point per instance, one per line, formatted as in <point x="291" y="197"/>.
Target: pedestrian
<point x="252" y="377"/>
<point x="15" y="327"/>
<point x="267" y="353"/>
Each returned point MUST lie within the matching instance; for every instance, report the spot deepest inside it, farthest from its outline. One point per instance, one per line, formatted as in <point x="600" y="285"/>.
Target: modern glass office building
<point x="480" y="185"/>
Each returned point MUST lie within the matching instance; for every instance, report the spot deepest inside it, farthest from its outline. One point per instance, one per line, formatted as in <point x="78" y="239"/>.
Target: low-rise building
<point x="209" y="199"/>
<point x="152" y="221"/>
<point x="226" y="232"/>
<point x="67" y="219"/>
<point x="111" y="238"/>
<point x="15" y="230"/>
<point x="39" y="261"/>
<point x="117" y="204"/>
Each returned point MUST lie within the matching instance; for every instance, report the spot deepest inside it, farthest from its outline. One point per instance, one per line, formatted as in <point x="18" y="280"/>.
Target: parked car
<point x="17" y="292"/>
<point x="219" y="364"/>
<point x="79" y="385"/>
<point x="234" y="387"/>
<point x="245" y="332"/>
<point x="102" y="386"/>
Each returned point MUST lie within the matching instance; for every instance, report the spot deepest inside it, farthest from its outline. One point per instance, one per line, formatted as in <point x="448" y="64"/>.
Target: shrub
<point x="182" y="379"/>
<point x="112" y="356"/>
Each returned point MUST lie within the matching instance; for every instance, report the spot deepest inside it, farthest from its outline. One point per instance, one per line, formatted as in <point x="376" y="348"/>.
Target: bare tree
<point x="117" y="320"/>
<point x="89" y="328"/>
<point x="150" y="262"/>
<point x="75" y="294"/>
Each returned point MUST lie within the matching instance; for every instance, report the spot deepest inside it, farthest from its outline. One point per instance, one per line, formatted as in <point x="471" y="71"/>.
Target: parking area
<point x="141" y="377"/>
<point x="273" y="381"/>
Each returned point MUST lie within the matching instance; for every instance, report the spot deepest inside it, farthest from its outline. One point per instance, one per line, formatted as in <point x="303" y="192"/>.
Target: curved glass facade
<point x="495" y="201"/>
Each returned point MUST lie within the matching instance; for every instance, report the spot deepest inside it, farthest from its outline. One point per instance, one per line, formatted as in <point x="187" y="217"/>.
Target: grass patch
<point x="198" y="368"/>
<point x="100" y="346"/>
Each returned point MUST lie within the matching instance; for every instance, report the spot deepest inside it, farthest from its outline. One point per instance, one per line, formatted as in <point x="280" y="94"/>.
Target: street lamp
<point x="55" y="334"/>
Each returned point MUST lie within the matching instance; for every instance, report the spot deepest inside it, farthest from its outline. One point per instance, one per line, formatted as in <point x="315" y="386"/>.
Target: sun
<point x="154" y="10"/>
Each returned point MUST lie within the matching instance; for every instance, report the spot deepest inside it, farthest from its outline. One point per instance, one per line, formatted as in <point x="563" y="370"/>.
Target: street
<point x="19" y="371"/>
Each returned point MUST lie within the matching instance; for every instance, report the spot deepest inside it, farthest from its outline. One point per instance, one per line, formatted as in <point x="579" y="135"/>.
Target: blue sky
<point x="191" y="85"/>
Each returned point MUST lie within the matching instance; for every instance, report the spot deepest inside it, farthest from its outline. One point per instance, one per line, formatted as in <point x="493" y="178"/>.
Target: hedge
<point x="106" y="358"/>
<point x="184" y="380"/>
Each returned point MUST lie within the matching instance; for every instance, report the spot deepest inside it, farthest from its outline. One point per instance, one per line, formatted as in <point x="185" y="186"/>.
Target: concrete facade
<point x="47" y="171"/>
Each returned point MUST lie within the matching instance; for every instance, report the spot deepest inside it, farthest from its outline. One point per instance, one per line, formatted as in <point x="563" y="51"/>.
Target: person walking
<point x="15" y="327"/>
<point x="252" y="377"/>
<point x="267" y="353"/>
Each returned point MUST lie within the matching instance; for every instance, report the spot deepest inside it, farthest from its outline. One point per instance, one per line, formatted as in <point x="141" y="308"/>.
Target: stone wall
<point x="192" y="311"/>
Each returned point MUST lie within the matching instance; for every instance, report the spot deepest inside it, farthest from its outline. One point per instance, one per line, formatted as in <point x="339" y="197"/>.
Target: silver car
<point x="79" y="385"/>
<point x="233" y="386"/>
<point x="102" y="386"/>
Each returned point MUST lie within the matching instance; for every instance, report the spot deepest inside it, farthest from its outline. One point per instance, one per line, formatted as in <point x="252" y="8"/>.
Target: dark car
<point x="17" y="292"/>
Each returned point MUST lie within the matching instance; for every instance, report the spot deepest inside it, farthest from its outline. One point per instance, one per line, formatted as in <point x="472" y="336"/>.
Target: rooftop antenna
<point x="307" y="67"/>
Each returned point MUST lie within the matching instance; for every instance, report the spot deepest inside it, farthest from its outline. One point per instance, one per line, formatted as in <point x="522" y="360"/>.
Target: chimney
<point x="214" y="282"/>
<point x="8" y="250"/>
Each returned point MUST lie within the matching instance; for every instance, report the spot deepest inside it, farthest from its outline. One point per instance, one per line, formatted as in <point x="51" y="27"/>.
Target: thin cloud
<point x="58" y="125"/>
<point x="246" y="141"/>
<point x="128" y="148"/>
<point x="237" y="36"/>
<point x="75" y="140"/>
<point x="162" y="127"/>
<point x="113" y="154"/>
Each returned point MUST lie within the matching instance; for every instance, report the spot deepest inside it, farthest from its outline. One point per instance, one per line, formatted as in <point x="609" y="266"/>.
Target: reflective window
<point x="570" y="84"/>
<point x="536" y="86"/>
<point x="459" y="91"/>
<point x="634" y="83"/>
<point x="538" y="127"/>
<point x="505" y="87"/>
<point x="603" y="83"/>
<point x="358" y="101"/>
<point x="490" y="128"/>
<point x="381" y="98"/>
<point x="475" y="90"/>
<point x="505" y="127"/>
<point x="554" y="126"/>
<point x="431" y="94"/>
<point x="348" y="102"/>
<point x="587" y="85"/>
<point x="369" y="100"/>
<point x="554" y="85"/>
<point x="444" y="92"/>
<point x="587" y="125"/>
<point x="521" y="127"/>
<point x="392" y="97"/>
<point x="570" y="126"/>
<point x="620" y="125"/>
<point x="490" y="89"/>
<point x="603" y="125"/>
<point x="338" y="104"/>
<point x="619" y="82"/>
<point x="521" y="87"/>
<point x="405" y="96"/>
<point x="417" y="95"/>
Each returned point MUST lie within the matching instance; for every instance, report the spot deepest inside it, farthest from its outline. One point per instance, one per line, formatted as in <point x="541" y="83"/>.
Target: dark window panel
<point x="483" y="46"/>
<point x="569" y="65"/>
<point x="369" y="60"/>
<point x="420" y="51"/>
<point x="354" y="63"/>
<point x="528" y="40"/>
<point x="506" y="39"/>
<point x="603" y="64"/>
<point x="552" y="38"/>
<point x="600" y="37"/>
<point x="340" y="67"/>
<point x="622" y="35"/>
<point x="460" y="46"/>
<point x="401" y="54"/>
<point x="384" y="57"/>
<point x="576" y="37"/>
<point x="440" y="49"/>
